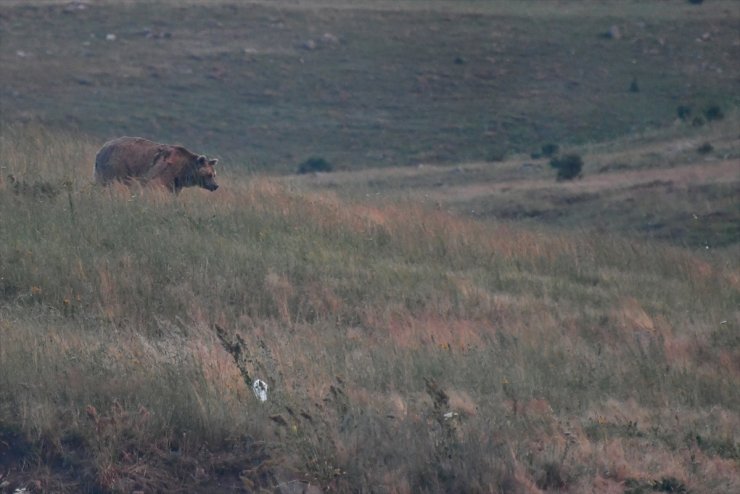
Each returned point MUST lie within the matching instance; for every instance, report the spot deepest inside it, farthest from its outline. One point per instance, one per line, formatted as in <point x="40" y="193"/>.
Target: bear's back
<point x="124" y="158"/>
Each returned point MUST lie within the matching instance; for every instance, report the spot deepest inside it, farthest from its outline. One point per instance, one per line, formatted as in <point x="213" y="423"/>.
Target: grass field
<point x="654" y="186"/>
<point x="466" y="324"/>
<point x="265" y="85"/>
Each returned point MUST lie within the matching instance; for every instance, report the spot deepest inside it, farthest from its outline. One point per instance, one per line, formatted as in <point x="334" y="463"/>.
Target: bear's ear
<point x="213" y="162"/>
<point x="202" y="160"/>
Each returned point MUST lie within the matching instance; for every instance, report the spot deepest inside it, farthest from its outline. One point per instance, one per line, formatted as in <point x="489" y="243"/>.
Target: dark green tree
<point x="569" y="166"/>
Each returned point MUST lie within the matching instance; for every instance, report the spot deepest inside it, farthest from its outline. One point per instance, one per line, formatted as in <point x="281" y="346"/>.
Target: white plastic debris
<point x="260" y="389"/>
<point x="110" y="37"/>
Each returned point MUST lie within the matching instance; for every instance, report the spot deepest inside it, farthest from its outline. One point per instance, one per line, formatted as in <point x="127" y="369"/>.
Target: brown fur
<point x="128" y="159"/>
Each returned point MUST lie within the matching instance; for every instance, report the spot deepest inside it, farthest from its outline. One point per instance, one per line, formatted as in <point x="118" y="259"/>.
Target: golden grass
<point x="565" y="361"/>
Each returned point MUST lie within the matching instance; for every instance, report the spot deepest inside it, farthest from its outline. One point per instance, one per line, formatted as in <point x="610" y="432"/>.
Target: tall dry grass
<point x="407" y="350"/>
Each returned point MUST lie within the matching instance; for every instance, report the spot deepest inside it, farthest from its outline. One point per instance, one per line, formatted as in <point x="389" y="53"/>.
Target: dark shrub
<point x="713" y="112"/>
<point x="705" y="148"/>
<point x="696" y="2"/>
<point x="684" y="112"/>
<point x="568" y="166"/>
<point x="314" y="165"/>
<point x="550" y="149"/>
<point x="634" y="87"/>
<point x="496" y="154"/>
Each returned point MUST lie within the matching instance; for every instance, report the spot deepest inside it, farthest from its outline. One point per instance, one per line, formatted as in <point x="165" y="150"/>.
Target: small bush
<point x="568" y="166"/>
<point x="705" y="148"/>
<point x="550" y="149"/>
<point x="683" y="112"/>
<point x="496" y="155"/>
<point x="634" y="86"/>
<point x="315" y="165"/>
<point x="713" y="112"/>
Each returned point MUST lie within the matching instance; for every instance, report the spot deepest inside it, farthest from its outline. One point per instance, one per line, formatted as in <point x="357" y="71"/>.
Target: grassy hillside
<point x="406" y="349"/>
<point x="677" y="185"/>
<point x="467" y="324"/>
<point x="267" y="84"/>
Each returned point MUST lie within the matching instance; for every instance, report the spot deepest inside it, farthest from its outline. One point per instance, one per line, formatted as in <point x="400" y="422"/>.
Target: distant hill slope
<point x="268" y="84"/>
<point x="680" y="185"/>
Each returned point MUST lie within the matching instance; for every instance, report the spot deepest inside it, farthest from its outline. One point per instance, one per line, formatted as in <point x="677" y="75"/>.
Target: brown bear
<point x="128" y="159"/>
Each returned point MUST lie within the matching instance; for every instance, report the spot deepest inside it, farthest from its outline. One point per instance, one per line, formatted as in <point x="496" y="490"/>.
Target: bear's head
<point x="196" y="171"/>
<point x="205" y="173"/>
